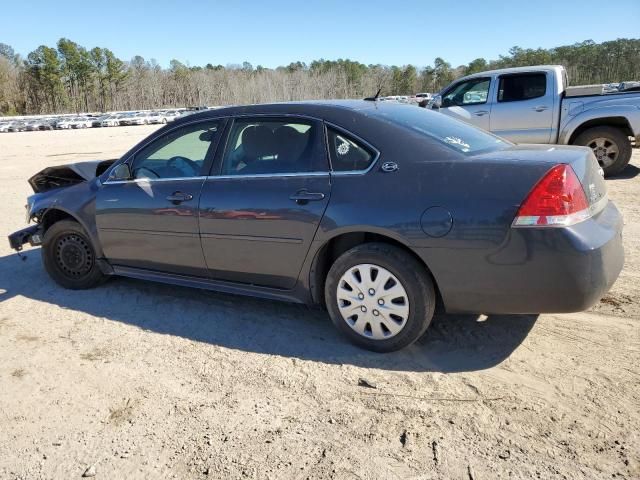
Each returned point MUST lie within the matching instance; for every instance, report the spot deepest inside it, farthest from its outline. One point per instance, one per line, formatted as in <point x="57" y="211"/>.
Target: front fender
<point x="630" y="113"/>
<point x="78" y="202"/>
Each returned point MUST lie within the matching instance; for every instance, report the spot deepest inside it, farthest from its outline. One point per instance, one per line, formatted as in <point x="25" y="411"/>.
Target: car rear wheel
<point x="380" y="297"/>
<point x="610" y="145"/>
<point x="69" y="257"/>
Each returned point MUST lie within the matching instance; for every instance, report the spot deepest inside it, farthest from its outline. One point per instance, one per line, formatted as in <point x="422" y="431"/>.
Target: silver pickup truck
<point x="536" y="105"/>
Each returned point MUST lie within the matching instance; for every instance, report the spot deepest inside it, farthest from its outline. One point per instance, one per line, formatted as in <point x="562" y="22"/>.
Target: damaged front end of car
<point x="66" y="175"/>
<point x="47" y="184"/>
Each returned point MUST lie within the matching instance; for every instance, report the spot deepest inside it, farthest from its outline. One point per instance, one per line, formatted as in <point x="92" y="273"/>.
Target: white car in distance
<point x="171" y="115"/>
<point x="111" y="120"/>
<point x="141" y="118"/>
<point x="81" y="122"/>
<point x="64" y="123"/>
<point x="157" y="117"/>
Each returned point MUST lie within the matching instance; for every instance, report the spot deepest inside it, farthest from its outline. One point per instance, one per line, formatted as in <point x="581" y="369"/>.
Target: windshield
<point x="453" y="133"/>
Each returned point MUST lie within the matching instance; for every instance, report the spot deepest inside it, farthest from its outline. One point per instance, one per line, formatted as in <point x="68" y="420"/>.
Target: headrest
<point x="290" y="143"/>
<point x="258" y="141"/>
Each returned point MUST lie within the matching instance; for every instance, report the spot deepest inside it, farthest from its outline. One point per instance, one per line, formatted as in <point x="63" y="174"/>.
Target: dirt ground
<point x="141" y="380"/>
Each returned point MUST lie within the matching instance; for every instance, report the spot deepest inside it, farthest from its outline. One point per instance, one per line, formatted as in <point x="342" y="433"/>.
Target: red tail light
<point x="557" y="200"/>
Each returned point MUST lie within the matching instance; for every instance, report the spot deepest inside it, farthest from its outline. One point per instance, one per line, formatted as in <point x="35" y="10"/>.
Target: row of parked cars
<point x="418" y="99"/>
<point x="93" y="120"/>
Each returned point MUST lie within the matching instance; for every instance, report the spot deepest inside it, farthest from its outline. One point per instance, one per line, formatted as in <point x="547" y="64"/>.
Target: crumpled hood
<point x="67" y="175"/>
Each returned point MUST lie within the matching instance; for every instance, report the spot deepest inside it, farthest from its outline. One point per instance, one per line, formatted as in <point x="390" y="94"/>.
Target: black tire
<point x="413" y="278"/>
<point x="69" y="257"/>
<point x="614" y="136"/>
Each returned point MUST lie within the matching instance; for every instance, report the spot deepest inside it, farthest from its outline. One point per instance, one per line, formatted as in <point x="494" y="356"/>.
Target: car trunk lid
<point x="581" y="159"/>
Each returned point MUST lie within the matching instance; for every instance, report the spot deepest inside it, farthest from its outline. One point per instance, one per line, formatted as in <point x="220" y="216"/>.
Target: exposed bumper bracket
<point x="30" y="235"/>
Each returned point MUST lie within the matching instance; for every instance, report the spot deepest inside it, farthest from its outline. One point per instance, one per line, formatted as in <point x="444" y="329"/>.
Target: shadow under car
<point x="453" y="343"/>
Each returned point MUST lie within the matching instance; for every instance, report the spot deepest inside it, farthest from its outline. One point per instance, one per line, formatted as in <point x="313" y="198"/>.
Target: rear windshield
<point x="453" y="133"/>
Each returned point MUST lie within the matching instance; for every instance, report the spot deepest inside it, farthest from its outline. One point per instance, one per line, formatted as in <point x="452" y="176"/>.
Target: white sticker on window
<point x="457" y="141"/>
<point x="343" y="148"/>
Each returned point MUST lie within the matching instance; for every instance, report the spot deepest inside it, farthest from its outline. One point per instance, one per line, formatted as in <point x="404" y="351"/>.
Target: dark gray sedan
<point x="378" y="211"/>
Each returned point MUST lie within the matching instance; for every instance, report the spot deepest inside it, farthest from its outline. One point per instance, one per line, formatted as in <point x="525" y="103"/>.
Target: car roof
<point x="369" y="120"/>
<point x="323" y="109"/>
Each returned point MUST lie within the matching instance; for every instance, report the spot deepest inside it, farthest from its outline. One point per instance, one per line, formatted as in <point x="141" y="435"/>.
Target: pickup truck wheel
<point x="380" y="297"/>
<point x="69" y="257"/>
<point x="610" y="145"/>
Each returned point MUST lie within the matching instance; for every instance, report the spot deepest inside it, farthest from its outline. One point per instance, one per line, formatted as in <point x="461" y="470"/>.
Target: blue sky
<point x="272" y="33"/>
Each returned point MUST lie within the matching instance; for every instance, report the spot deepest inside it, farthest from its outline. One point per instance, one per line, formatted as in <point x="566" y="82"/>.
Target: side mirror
<point x="121" y="172"/>
<point x="436" y="102"/>
<point x="209" y="135"/>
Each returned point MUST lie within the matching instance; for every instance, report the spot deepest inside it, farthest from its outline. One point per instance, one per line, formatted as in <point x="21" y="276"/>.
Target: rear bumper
<point x="536" y="270"/>
<point x="30" y="235"/>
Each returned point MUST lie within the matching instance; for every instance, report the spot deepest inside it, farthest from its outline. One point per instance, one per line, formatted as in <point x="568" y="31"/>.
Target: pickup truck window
<point x="471" y="92"/>
<point x="514" y="88"/>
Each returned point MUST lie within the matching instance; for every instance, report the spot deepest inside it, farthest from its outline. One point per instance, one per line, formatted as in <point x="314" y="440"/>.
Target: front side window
<point x="513" y="88"/>
<point x="273" y="146"/>
<point x="347" y="154"/>
<point x="180" y="153"/>
<point x="471" y="92"/>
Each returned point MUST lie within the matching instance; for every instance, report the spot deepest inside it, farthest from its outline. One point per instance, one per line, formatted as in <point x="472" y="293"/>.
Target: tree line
<point x="71" y="78"/>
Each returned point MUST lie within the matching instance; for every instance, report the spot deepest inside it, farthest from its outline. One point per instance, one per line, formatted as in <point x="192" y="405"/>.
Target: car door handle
<point x="481" y="113"/>
<point x="302" y="197"/>
<point x="179" y="197"/>
<point x="540" y="108"/>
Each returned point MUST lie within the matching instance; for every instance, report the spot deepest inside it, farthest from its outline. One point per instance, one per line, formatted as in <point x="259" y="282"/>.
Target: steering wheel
<point x="152" y="172"/>
<point x="193" y="165"/>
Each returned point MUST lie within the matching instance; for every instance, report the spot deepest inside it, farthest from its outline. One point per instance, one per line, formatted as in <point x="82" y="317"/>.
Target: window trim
<point x="455" y="85"/>
<point x="206" y="166"/>
<point x="216" y="170"/>
<point x="267" y="175"/>
<point x="348" y="133"/>
<point x="143" y="180"/>
<point x="522" y="74"/>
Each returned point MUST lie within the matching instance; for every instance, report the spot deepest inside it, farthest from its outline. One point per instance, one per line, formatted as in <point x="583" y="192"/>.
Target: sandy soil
<point x="139" y="380"/>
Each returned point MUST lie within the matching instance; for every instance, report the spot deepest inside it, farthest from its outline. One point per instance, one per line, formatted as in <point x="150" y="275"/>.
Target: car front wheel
<point x="69" y="257"/>
<point x="380" y="297"/>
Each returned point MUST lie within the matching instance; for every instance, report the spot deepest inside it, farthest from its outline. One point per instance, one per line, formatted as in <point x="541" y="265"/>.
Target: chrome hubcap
<point x="372" y="301"/>
<point x="605" y="151"/>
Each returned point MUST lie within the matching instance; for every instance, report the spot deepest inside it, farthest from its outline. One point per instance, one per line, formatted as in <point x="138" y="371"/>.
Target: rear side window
<point x="513" y="88"/>
<point x="455" y="134"/>
<point x="273" y="146"/>
<point x="347" y="154"/>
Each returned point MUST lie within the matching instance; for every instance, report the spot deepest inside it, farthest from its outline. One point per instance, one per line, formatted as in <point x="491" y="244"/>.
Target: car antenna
<point x="374" y="98"/>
